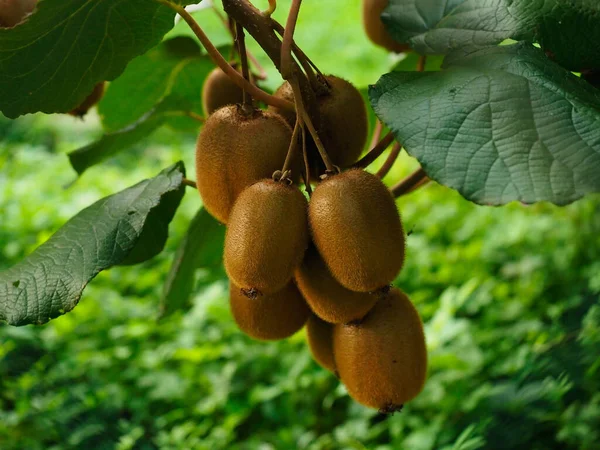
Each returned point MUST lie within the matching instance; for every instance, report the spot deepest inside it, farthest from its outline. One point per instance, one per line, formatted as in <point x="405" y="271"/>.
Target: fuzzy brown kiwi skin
<point x="320" y="341"/>
<point x="90" y="101"/>
<point x="375" y="28"/>
<point x="327" y="298"/>
<point x="235" y="150"/>
<point x="343" y="125"/>
<point x="269" y="317"/>
<point x="356" y="227"/>
<point x="383" y="360"/>
<point x="267" y="235"/>
<point x="219" y="91"/>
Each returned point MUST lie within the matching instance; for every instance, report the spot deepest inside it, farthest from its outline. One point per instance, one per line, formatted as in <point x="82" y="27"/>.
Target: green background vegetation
<point x="509" y="297"/>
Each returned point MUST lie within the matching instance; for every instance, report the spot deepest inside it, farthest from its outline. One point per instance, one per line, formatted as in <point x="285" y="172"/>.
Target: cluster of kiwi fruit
<point x="326" y="262"/>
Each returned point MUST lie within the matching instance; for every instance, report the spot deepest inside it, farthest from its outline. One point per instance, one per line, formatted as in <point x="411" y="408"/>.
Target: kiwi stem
<point x="416" y="179"/>
<point x="306" y="173"/>
<point x="293" y="145"/>
<point x="300" y="110"/>
<point x="389" y="162"/>
<point x="241" y="44"/>
<point x="271" y="9"/>
<point x="375" y="152"/>
<point x="261" y="29"/>
<point x="189" y="183"/>
<point x="376" y="133"/>
<point x="421" y="63"/>
<point x="305" y="62"/>
<point x="218" y="59"/>
<point x="262" y="74"/>
<point x="302" y="57"/>
<point x="288" y="39"/>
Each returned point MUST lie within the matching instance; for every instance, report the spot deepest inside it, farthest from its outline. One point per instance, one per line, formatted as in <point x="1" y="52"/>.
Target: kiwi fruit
<point x="236" y="149"/>
<point x="383" y="359"/>
<point x="320" y="341"/>
<point x="267" y="235"/>
<point x="269" y="317"/>
<point x="375" y="28"/>
<point x="219" y="91"/>
<point x="343" y="126"/>
<point x="13" y="12"/>
<point x="91" y="100"/>
<point x="357" y="230"/>
<point x="327" y="298"/>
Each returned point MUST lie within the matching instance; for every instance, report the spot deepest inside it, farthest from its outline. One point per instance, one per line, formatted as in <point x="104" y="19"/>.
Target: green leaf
<point x="52" y="61"/>
<point x="498" y="125"/>
<point x="175" y="67"/>
<point x="50" y="281"/>
<point x="112" y="143"/>
<point x="201" y="248"/>
<point x="569" y="30"/>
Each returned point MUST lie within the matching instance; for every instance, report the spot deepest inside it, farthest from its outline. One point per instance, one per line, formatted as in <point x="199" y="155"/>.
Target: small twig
<point x="303" y="59"/>
<point x="293" y="145"/>
<point x="307" y="120"/>
<point x="375" y="152"/>
<point x="420" y="184"/>
<point x="389" y="162"/>
<point x="241" y="45"/>
<point x="421" y="63"/>
<point x="262" y="74"/>
<point x="288" y="39"/>
<point x="409" y="183"/>
<point x="189" y="183"/>
<point x="233" y="74"/>
<point x="376" y="133"/>
<point x="306" y="174"/>
<point x="271" y="9"/>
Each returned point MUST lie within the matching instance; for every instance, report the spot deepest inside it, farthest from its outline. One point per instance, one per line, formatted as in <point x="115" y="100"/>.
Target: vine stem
<point x="293" y="145"/>
<point x="306" y="164"/>
<point x="241" y="42"/>
<point x="416" y="179"/>
<point x="389" y="162"/>
<point x="376" y="133"/>
<point x="288" y="39"/>
<point x="218" y="59"/>
<point x="271" y="9"/>
<point x="190" y="183"/>
<point x="305" y="62"/>
<point x="262" y="74"/>
<point x="307" y="120"/>
<point x="261" y="28"/>
<point x="375" y="152"/>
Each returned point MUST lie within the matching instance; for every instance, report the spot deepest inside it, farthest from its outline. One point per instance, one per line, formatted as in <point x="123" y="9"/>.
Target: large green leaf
<point x="51" y="62"/>
<point x="175" y="67"/>
<point x="201" y="248"/>
<point x="49" y="282"/>
<point x="500" y="124"/>
<point x="568" y="29"/>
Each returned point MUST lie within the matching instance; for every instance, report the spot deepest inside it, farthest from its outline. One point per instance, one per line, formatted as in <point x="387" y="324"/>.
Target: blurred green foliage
<point x="509" y="297"/>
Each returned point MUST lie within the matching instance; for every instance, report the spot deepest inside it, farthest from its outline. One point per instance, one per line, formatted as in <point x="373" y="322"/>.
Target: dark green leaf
<point x="569" y="30"/>
<point x="175" y="67"/>
<point x="201" y="248"/>
<point x="51" y="62"/>
<point x="501" y="124"/>
<point x="49" y="282"/>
